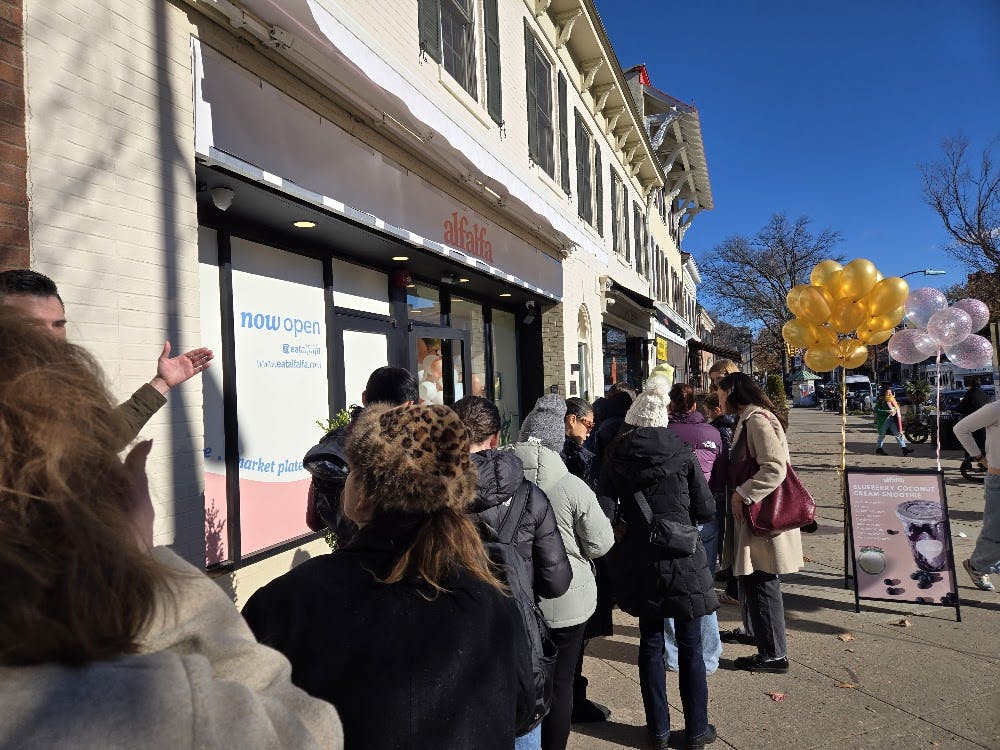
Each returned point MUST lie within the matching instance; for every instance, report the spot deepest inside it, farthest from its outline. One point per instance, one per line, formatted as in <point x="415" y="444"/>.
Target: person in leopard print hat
<point x="406" y="631"/>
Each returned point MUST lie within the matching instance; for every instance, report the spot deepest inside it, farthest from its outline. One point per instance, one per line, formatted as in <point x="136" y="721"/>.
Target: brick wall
<point x="112" y="211"/>
<point x="14" y="248"/>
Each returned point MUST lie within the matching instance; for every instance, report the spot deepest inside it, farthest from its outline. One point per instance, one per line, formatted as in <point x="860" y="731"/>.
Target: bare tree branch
<point x="747" y="279"/>
<point x="968" y="204"/>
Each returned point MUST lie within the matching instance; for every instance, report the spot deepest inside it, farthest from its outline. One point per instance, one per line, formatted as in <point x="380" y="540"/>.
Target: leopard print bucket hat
<point x="413" y="459"/>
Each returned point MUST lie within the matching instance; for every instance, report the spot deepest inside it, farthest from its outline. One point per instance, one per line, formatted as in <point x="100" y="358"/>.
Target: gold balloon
<point x="823" y="271"/>
<point x="872" y="337"/>
<point x="812" y="305"/>
<point x="856" y="356"/>
<point x="878" y="277"/>
<point x="825" y="336"/>
<point x="822" y="359"/>
<point x="847" y="315"/>
<point x="835" y="284"/>
<point x="886" y="295"/>
<point x="792" y="299"/>
<point x="859" y="276"/>
<point x="827" y="295"/>
<point x="886" y="320"/>
<point x="799" y="333"/>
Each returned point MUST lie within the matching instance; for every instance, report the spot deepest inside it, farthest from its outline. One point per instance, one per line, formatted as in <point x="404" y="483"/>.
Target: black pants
<point x="555" y="727"/>
<point x="761" y="592"/>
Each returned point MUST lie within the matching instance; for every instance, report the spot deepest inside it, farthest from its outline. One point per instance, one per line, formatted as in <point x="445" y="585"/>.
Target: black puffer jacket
<point x="661" y="465"/>
<point x="538" y="540"/>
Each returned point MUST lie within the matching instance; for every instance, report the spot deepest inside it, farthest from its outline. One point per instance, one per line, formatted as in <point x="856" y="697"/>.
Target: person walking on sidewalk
<point x="760" y="561"/>
<point x="974" y="399"/>
<point x="887" y="421"/>
<point x="986" y="556"/>
<point x="586" y="533"/>
<point x="579" y="423"/>
<point x="650" y="473"/>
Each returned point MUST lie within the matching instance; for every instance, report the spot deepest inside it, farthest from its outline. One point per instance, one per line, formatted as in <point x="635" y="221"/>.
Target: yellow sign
<point x="661" y="349"/>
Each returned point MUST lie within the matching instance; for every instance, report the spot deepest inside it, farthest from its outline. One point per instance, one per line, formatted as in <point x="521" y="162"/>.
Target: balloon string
<point x="937" y="408"/>
<point x="843" y="419"/>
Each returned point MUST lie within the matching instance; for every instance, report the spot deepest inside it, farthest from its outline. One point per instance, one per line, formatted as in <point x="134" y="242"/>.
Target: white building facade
<point x="318" y="188"/>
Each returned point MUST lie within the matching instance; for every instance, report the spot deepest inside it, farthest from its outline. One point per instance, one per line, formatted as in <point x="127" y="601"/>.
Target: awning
<point x="325" y="45"/>
<point x="719" y="351"/>
<point x="639" y="299"/>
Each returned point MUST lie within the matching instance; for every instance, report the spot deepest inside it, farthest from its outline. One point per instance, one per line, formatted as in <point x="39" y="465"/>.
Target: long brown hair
<point x="743" y="391"/>
<point x="74" y="584"/>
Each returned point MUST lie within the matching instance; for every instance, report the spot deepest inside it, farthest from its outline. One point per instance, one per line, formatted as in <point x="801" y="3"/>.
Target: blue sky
<point x="824" y="109"/>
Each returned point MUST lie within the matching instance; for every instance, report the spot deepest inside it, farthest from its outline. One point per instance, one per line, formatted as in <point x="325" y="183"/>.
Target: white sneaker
<point x="981" y="580"/>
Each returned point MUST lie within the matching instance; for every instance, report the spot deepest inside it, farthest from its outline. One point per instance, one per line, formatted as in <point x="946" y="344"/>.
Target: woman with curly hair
<point x="106" y="640"/>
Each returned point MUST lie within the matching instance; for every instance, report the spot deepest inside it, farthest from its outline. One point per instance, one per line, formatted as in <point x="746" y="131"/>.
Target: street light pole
<point x="925" y="272"/>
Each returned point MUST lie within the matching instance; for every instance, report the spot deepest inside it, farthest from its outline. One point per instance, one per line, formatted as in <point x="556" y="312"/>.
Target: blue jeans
<point x="711" y="643"/>
<point x="530" y="741"/>
<point x="889" y="426"/>
<point x="986" y="556"/>
<point x="653" y="676"/>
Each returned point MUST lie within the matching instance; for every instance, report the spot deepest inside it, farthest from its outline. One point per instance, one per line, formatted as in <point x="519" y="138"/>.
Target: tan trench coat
<point x="743" y="550"/>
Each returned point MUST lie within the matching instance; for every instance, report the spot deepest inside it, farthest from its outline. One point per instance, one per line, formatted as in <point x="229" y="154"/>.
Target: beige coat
<point x="745" y="551"/>
<point x="202" y="681"/>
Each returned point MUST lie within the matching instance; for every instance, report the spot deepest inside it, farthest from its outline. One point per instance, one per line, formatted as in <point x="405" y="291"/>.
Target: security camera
<point x="222" y="197"/>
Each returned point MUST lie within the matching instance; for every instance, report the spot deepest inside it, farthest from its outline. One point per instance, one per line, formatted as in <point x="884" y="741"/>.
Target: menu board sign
<point x="901" y="537"/>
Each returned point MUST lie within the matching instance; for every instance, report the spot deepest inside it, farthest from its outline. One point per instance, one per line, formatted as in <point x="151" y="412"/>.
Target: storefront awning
<point x="719" y="351"/>
<point x="639" y="299"/>
<point x="324" y="44"/>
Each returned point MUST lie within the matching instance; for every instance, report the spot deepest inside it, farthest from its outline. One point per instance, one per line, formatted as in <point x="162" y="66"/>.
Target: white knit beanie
<point x="651" y="407"/>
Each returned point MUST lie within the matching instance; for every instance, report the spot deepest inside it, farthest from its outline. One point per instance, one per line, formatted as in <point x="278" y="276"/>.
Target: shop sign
<point x="900" y="537"/>
<point x="661" y="349"/>
<point x="468" y="236"/>
<point x="314" y="153"/>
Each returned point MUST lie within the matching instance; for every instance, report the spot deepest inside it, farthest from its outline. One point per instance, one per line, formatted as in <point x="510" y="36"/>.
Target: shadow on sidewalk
<point x="610" y="650"/>
<point x="622" y="735"/>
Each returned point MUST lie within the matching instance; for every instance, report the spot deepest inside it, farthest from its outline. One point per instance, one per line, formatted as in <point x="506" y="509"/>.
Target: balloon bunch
<point x="936" y="328"/>
<point x="842" y="311"/>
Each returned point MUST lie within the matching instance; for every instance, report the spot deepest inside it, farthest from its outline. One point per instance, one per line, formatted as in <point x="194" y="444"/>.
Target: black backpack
<point x="503" y="552"/>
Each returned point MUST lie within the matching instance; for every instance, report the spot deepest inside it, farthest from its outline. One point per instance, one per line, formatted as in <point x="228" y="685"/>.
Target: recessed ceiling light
<point x="411" y="286"/>
<point x="463" y="281"/>
<point x="304" y="224"/>
<point x="400" y="257"/>
<point x="505" y="294"/>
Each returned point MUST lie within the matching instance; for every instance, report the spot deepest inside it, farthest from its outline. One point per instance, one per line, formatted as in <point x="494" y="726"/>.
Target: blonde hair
<point x="76" y="585"/>
<point x="725" y="366"/>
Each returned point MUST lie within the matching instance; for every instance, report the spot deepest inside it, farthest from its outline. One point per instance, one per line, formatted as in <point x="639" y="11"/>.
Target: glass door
<point x="361" y="346"/>
<point x="439" y="357"/>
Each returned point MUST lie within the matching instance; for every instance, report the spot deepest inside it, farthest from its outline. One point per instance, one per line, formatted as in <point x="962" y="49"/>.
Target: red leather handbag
<point x="789" y="506"/>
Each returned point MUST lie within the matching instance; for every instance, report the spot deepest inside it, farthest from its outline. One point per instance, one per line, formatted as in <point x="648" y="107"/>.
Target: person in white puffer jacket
<point x="587" y="535"/>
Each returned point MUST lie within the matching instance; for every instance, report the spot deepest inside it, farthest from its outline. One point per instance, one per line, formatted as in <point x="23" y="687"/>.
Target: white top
<point x="987" y="417"/>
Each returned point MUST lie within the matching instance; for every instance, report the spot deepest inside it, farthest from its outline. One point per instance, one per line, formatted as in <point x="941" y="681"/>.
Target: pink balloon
<point x="949" y="327"/>
<point x="978" y="311"/>
<point x="971" y="353"/>
<point x="922" y="304"/>
<point x="911" y="345"/>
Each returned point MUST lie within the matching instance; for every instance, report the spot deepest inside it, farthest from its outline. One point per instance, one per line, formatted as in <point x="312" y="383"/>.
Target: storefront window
<point x="615" y="358"/>
<point x="358" y="288"/>
<point x="281" y="376"/>
<point x="469" y="317"/>
<point x="424" y="303"/>
<point x="505" y="383"/>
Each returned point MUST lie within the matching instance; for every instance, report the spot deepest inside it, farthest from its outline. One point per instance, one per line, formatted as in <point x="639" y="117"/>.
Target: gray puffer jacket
<point x="585" y="529"/>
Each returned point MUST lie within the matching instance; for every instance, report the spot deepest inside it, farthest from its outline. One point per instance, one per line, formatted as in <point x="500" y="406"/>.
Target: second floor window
<point x="448" y="35"/>
<point x="584" y="193"/>
<point x="538" y="72"/>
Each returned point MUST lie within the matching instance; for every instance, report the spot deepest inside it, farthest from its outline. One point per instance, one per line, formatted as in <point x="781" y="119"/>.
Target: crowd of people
<point x="467" y="579"/>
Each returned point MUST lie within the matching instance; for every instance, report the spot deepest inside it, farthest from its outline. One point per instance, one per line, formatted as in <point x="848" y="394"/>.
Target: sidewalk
<point x="935" y="683"/>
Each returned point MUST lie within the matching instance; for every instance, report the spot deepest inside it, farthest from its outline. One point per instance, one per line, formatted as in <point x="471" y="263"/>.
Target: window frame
<point x="584" y="169"/>
<point x="449" y="9"/>
<point x="541" y="145"/>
